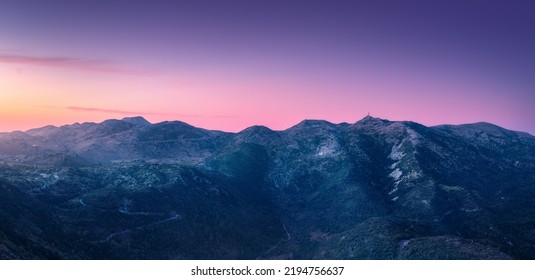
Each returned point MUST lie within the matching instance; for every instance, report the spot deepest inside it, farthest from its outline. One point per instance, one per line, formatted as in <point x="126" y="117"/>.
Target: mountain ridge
<point x="374" y="189"/>
<point x="140" y="120"/>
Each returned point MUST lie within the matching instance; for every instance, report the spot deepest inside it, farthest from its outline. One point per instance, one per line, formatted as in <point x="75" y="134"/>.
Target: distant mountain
<point x="375" y="189"/>
<point x="136" y="120"/>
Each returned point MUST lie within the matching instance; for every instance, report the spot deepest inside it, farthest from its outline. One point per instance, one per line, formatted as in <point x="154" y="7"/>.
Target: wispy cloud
<point x="109" y="111"/>
<point x="71" y="63"/>
<point x="140" y="113"/>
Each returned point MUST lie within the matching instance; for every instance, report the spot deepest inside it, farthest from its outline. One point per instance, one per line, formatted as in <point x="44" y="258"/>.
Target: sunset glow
<point x="229" y="66"/>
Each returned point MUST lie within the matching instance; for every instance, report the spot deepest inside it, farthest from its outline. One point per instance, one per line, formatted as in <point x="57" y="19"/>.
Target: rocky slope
<point x="375" y="189"/>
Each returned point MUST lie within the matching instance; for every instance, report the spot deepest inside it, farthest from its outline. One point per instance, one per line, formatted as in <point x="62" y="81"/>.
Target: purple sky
<point x="231" y="64"/>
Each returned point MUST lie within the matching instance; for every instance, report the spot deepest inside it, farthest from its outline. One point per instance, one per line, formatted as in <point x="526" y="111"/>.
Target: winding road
<point x="124" y="210"/>
<point x="138" y="228"/>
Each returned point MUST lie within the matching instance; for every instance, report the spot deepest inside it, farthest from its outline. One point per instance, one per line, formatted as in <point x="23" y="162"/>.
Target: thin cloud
<point x="109" y="111"/>
<point x="139" y="113"/>
<point x="70" y="63"/>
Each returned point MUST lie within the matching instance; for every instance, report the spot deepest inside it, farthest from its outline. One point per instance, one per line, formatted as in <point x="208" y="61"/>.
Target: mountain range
<point x="374" y="189"/>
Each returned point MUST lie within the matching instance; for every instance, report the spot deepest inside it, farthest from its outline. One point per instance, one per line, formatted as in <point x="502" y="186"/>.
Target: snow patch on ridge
<point x="413" y="175"/>
<point x="329" y="148"/>
<point x="396" y="174"/>
<point x="414" y="137"/>
<point x="396" y="153"/>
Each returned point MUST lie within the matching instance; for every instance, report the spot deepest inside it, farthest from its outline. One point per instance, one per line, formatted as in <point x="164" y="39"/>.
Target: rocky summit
<point x="375" y="189"/>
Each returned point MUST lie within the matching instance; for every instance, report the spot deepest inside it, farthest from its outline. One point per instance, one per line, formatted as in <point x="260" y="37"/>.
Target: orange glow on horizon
<point x="36" y="96"/>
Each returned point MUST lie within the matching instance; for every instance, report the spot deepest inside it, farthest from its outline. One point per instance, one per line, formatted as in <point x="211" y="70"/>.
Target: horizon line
<point x="256" y="125"/>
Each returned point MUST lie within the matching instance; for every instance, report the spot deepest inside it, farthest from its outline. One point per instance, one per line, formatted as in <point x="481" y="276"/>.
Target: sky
<point x="231" y="64"/>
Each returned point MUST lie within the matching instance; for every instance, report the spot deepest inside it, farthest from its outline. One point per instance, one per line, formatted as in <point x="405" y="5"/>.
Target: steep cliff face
<point x="374" y="189"/>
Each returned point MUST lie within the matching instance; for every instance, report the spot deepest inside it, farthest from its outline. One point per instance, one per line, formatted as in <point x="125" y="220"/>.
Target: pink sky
<point x="35" y="95"/>
<point x="233" y="64"/>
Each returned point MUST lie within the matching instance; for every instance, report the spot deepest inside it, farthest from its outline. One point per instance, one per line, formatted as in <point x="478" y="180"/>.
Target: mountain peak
<point x="257" y="129"/>
<point x="369" y="120"/>
<point x="314" y="124"/>
<point x="138" y="120"/>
